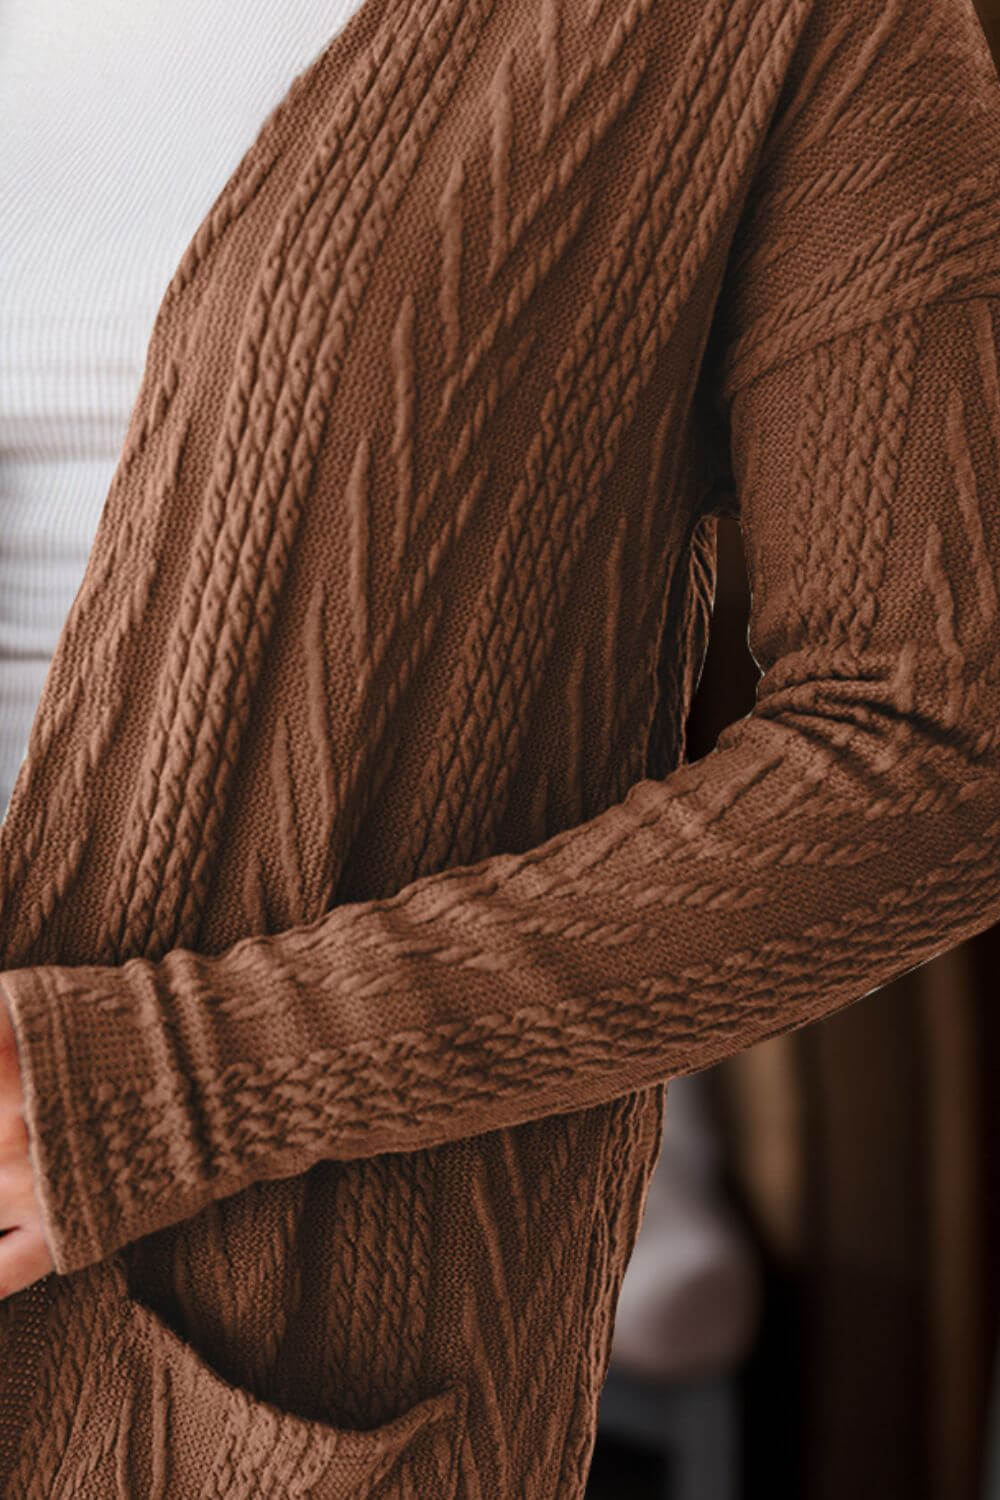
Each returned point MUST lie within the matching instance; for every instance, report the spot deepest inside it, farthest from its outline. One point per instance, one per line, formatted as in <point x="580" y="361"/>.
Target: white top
<point x="120" y="121"/>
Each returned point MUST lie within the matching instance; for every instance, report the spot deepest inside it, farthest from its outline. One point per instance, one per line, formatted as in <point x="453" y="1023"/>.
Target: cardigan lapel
<point x="118" y="748"/>
<point x="133" y="742"/>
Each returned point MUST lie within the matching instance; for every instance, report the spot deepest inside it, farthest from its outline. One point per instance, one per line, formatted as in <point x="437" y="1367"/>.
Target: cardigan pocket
<point x="174" y="1427"/>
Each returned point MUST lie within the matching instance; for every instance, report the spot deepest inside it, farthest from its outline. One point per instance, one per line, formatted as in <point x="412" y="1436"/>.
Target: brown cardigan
<point x="357" y="902"/>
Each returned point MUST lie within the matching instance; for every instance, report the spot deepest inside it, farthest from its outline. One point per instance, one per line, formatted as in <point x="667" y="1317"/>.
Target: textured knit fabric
<point x="119" y="123"/>
<point x="357" y="902"/>
<point x="93" y="182"/>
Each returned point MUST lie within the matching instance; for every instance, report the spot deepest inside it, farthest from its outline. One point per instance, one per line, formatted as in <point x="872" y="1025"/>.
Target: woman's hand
<point x="24" y="1254"/>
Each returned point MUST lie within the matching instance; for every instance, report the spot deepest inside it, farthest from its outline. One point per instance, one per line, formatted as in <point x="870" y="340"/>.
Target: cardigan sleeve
<point x="839" y="835"/>
<point x="843" y="832"/>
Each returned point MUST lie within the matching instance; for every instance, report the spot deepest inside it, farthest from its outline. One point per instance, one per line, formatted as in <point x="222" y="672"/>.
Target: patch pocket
<point x="198" y="1436"/>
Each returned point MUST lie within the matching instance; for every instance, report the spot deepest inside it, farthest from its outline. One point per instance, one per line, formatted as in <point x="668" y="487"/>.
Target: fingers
<point x="24" y="1259"/>
<point x="17" y="1198"/>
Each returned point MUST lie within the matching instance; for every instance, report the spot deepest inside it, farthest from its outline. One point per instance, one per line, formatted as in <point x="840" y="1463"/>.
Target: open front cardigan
<point x="358" y="901"/>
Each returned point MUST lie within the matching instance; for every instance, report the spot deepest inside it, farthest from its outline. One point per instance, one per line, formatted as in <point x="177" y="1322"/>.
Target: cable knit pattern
<point x="357" y="901"/>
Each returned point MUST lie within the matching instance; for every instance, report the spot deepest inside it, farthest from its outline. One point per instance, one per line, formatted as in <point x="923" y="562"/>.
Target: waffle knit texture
<point x="358" y="901"/>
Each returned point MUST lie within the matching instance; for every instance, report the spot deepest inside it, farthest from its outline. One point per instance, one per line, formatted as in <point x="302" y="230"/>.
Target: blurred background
<point x="812" y="1307"/>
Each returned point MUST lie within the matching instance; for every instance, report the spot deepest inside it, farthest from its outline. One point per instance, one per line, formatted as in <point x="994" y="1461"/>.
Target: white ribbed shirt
<point x="120" y="121"/>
